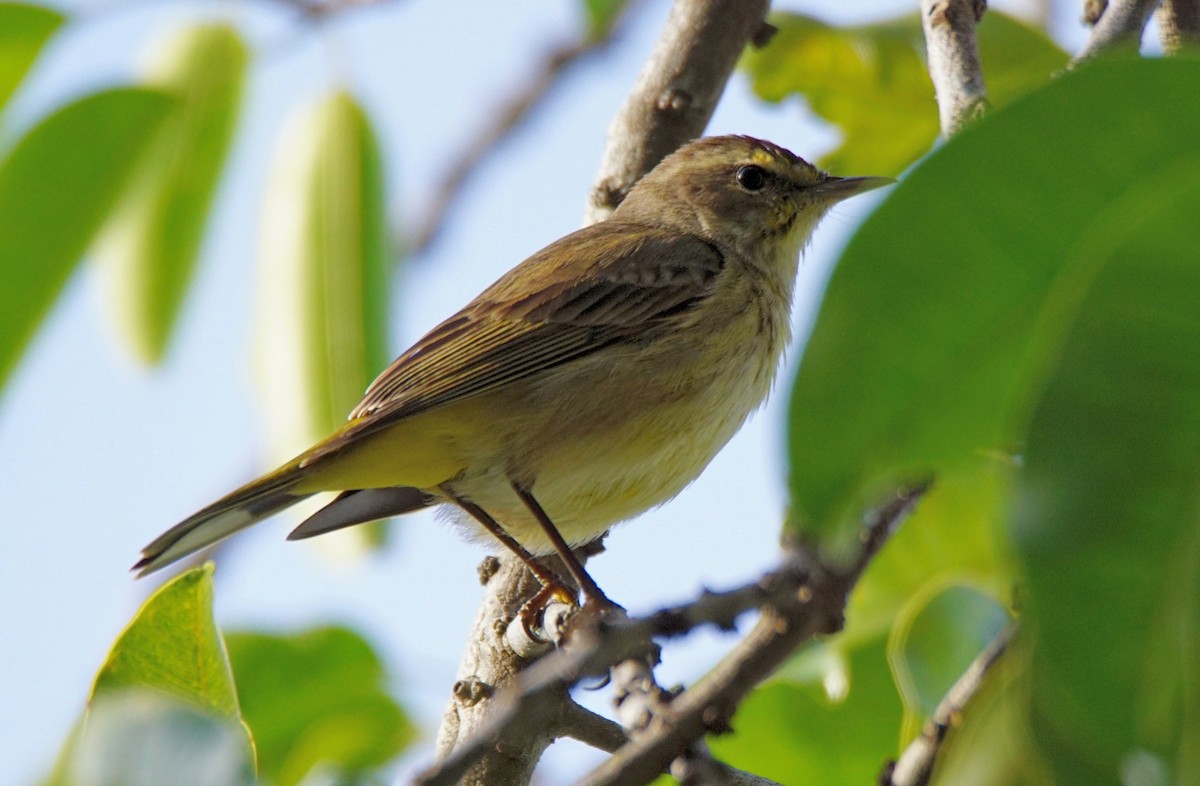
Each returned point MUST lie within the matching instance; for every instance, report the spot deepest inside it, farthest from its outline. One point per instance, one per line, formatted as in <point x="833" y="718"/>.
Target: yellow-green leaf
<point x="323" y="272"/>
<point x="173" y="646"/>
<point x="24" y="29"/>
<point x="56" y="186"/>
<point x="871" y="81"/>
<point x="149" y="248"/>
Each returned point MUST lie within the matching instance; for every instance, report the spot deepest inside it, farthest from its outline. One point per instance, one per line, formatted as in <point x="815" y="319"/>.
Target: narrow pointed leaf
<point x="148" y="250"/>
<point x="57" y="184"/>
<point x="173" y="646"/>
<point x="24" y="30"/>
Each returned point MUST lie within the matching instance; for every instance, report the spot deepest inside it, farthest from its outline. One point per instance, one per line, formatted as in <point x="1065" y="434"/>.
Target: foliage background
<point x="103" y="455"/>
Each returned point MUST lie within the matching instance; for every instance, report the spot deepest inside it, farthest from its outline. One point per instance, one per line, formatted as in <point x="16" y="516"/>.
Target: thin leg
<point x="539" y="570"/>
<point x="591" y="592"/>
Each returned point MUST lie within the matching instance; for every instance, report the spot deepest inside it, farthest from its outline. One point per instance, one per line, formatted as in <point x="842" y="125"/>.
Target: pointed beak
<point x="835" y="189"/>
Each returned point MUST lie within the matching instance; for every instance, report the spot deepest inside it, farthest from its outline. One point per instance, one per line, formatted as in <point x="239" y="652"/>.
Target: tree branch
<point x="1119" y="26"/>
<point x="953" y="54"/>
<point x="676" y="93"/>
<point x="1179" y="25"/>
<point x="915" y="765"/>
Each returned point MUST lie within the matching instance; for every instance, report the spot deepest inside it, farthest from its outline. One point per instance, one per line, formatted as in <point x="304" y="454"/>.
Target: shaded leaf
<point x="316" y="699"/>
<point x="937" y="322"/>
<point x="1108" y="506"/>
<point x="149" y="248"/>
<point x="173" y="646"/>
<point x="56" y="186"/>
<point x="599" y="16"/>
<point x="24" y="30"/>
<point x="142" y="738"/>
<point x="871" y="81"/>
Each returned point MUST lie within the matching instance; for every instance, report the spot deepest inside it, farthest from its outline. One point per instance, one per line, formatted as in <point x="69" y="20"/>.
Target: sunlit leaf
<point x="56" y="186"/>
<point x="599" y="15"/>
<point x="24" y="30"/>
<point x="872" y="83"/>
<point x="173" y="646"/>
<point x="148" y="250"/>
<point x="316" y="699"/>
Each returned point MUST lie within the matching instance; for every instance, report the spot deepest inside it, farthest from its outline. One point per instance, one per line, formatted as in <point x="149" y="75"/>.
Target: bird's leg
<point x="553" y="587"/>
<point x="592" y="594"/>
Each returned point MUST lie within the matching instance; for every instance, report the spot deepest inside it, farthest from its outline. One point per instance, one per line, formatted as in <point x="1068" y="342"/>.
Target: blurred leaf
<point x="316" y="699"/>
<point x="949" y="301"/>
<point x="793" y="733"/>
<point x="148" y="249"/>
<point x="322" y="311"/>
<point x="932" y="645"/>
<point x="173" y="646"/>
<point x="24" y="30"/>
<point x="144" y="738"/>
<point x="56" y="186"/>
<point x="600" y="15"/>
<point x="871" y="81"/>
<point x="1109" y="503"/>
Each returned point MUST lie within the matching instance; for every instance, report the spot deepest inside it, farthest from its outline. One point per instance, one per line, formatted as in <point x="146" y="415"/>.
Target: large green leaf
<point x="149" y="248"/>
<point x="792" y="732"/>
<point x="316" y="700"/>
<point x="173" y="646"/>
<point x="1107" y="520"/>
<point x="949" y="301"/>
<point x="24" y="30"/>
<point x="871" y="81"/>
<point x="56" y="186"/>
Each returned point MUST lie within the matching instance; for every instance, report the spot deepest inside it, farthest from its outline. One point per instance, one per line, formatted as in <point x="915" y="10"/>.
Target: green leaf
<point x="1108" y="507"/>
<point x="142" y="738"/>
<point x="314" y="699"/>
<point x="56" y="186"/>
<point x="600" y="15"/>
<point x="173" y="646"/>
<point x="871" y="81"/>
<point x="323" y="275"/>
<point x="24" y="30"/>
<point x="792" y="732"/>
<point x="950" y="300"/>
<point x="933" y="643"/>
<point x="148" y="250"/>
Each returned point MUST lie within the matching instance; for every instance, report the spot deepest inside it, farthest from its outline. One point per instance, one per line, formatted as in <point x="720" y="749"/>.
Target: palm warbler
<point x="593" y="381"/>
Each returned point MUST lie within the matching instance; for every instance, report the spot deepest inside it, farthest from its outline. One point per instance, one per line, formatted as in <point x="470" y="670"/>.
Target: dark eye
<point x="751" y="177"/>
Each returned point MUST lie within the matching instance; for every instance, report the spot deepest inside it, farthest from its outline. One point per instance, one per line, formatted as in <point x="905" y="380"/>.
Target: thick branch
<point x="1120" y="26"/>
<point x="915" y="765"/>
<point x="1179" y="25"/>
<point x="954" y="60"/>
<point x="676" y="93"/>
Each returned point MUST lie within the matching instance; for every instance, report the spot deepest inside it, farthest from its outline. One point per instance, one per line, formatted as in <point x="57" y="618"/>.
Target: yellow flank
<point x="422" y="451"/>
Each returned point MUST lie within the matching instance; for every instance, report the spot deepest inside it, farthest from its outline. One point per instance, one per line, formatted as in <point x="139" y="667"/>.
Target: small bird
<point x="590" y="383"/>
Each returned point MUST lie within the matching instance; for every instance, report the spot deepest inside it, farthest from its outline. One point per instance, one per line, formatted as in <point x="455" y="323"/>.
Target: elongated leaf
<point x="871" y="81"/>
<point x="323" y="274"/>
<point x="316" y="699"/>
<point x="24" y="30"/>
<point x="56" y="186"/>
<point x="148" y="250"/>
<point x="1108" y="514"/>
<point x="173" y="646"/>
<point x="949" y="301"/>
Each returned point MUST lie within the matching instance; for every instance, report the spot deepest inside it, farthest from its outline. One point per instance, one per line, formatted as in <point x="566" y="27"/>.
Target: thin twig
<point x="915" y="765"/>
<point x="787" y="622"/>
<point x="1120" y="26"/>
<point x="954" y="65"/>
<point x="676" y="93"/>
<point x="1179" y="25"/>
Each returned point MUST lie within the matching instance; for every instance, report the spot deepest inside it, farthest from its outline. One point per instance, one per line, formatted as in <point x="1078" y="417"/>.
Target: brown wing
<point x="619" y="282"/>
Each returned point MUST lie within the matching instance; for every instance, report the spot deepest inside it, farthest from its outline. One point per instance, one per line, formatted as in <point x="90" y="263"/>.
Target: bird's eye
<point x="751" y="177"/>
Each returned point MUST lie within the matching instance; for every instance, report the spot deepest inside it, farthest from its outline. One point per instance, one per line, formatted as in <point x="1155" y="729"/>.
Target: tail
<point x="251" y="503"/>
